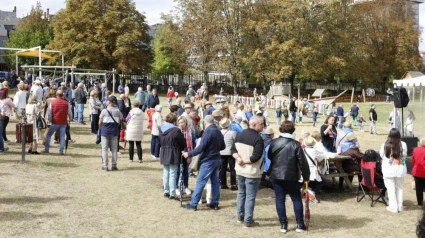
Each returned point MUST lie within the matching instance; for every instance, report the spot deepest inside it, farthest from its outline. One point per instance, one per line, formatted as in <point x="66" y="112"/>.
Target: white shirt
<point x="156" y="123"/>
<point x="389" y="169"/>
<point x="241" y="114"/>
<point x="38" y="91"/>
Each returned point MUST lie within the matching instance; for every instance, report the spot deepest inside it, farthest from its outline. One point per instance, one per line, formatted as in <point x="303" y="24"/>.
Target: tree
<point x="32" y="31"/>
<point x="169" y="48"/>
<point x="103" y="34"/>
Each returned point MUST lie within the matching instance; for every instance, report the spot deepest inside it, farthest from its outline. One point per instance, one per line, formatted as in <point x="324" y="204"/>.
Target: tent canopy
<point x="34" y="53"/>
<point x="419" y="81"/>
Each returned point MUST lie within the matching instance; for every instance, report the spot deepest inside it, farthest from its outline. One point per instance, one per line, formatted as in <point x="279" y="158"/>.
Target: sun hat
<point x="268" y="131"/>
<point x="217" y="113"/>
<point x="158" y="108"/>
<point x="224" y="123"/>
<point x="187" y="106"/>
<point x="309" y="141"/>
<point x="222" y="100"/>
<point x="208" y="103"/>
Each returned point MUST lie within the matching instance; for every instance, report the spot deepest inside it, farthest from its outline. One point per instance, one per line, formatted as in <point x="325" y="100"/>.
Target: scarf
<point x="188" y="135"/>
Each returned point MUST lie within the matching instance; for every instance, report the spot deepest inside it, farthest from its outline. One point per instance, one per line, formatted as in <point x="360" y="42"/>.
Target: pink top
<point x="8" y="106"/>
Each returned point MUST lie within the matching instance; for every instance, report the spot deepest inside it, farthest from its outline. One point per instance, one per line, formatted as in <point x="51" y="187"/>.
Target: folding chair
<point x="368" y="181"/>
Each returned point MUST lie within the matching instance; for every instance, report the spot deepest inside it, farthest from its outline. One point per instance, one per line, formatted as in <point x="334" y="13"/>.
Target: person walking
<point x="210" y="146"/>
<point x="140" y="96"/>
<point x="373" y="116"/>
<point x="340" y="115"/>
<point x="293" y="109"/>
<point x="156" y="124"/>
<point x="226" y="156"/>
<point x="172" y="142"/>
<point x="80" y="100"/>
<point x="152" y="98"/>
<point x="279" y="115"/>
<point x="354" y="111"/>
<point x="59" y="114"/>
<point x="393" y="153"/>
<point x="170" y="95"/>
<point x="418" y="170"/>
<point x="248" y="152"/>
<point x="134" y="132"/>
<point x="288" y="161"/>
<point x="109" y="130"/>
<point x="8" y="108"/>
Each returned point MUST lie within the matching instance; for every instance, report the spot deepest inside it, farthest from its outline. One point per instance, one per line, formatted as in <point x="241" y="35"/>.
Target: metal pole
<point x="39" y="62"/>
<point x="23" y="126"/>
<point x="298" y="91"/>
<point x="113" y="82"/>
<point x="17" y="66"/>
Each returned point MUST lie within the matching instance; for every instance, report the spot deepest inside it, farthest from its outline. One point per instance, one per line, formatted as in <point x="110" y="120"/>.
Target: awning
<point x="34" y="53"/>
<point x="419" y="81"/>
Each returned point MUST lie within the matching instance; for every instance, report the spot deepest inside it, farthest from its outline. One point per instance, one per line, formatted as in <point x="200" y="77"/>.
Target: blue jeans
<point x="281" y="188"/>
<point x="53" y="128"/>
<point x="245" y="202"/>
<point x="340" y="121"/>
<point x="80" y="111"/>
<point x="185" y="175"/>
<point x="209" y="170"/>
<point x="155" y="146"/>
<point x="1" y="137"/>
<point x="315" y="118"/>
<point x="169" y="178"/>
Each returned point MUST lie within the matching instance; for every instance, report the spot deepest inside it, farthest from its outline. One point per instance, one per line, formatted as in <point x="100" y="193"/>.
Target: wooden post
<point x="413" y="93"/>
<point x="364" y="96"/>
<point x="422" y="94"/>
<point x="352" y="96"/>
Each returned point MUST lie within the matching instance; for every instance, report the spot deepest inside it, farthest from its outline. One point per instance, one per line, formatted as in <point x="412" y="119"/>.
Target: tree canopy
<point x="103" y="34"/>
<point x="32" y="31"/>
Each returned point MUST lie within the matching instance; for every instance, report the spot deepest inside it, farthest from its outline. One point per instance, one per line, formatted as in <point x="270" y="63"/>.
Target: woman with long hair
<point x="393" y="153"/>
<point x="328" y="132"/>
<point x="190" y="142"/>
<point x="32" y="110"/>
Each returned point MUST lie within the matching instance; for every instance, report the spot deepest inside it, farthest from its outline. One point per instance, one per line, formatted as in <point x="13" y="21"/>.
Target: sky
<point x="151" y="8"/>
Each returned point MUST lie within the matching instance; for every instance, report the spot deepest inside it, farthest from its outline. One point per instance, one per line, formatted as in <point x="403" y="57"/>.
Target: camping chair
<point x="368" y="181"/>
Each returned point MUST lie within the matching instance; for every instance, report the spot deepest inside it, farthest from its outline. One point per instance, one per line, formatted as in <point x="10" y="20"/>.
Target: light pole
<point x="298" y="85"/>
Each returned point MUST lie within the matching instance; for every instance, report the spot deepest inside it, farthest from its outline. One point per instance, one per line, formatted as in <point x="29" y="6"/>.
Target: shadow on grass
<point x="141" y="168"/>
<point x="81" y="131"/>
<point x="336" y="222"/>
<point x="59" y="165"/>
<point x="4" y="174"/>
<point x="23" y="216"/>
<point x="86" y="146"/>
<point x="24" y="200"/>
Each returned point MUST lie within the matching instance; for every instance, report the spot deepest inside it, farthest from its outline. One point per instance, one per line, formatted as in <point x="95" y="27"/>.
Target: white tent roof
<point x="419" y="81"/>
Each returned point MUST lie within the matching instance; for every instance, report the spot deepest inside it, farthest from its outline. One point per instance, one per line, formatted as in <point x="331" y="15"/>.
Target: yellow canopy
<point x="34" y="53"/>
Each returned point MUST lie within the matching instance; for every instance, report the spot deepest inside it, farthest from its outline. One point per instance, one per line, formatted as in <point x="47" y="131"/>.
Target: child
<point x="315" y="112"/>
<point x="279" y="115"/>
<point x="285" y="112"/>
<point x="360" y="121"/>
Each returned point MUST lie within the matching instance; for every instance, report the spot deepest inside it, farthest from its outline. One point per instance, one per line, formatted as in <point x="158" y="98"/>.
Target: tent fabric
<point x="34" y="53"/>
<point x="419" y="81"/>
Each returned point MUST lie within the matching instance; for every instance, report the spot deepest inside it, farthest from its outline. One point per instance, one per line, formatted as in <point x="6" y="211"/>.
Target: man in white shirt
<point x="241" y="113"/>
<point x="37" y="90"/>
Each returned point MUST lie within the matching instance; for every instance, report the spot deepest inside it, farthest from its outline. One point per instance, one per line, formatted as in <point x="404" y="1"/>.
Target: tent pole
<point x="17" y="66"/>
<point x="113" y="81"/>
<point x="39" y="62"/>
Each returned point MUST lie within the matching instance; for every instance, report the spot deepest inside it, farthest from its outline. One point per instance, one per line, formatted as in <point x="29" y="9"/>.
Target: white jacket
<point x="389" y="169"/>
<point x="20" y="100"/>
<point x="156" y="123"/>
<point x="314" y="169"/>
<point x="134" y="130"/>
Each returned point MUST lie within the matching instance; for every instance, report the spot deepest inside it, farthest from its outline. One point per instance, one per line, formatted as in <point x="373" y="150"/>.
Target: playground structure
<point x="62" y="69"/>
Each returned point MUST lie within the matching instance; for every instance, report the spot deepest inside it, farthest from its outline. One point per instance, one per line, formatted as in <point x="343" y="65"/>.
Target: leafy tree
<point x="103" y="34"/>
<point x="32" y="31"/>
<point x="169" y="48"/>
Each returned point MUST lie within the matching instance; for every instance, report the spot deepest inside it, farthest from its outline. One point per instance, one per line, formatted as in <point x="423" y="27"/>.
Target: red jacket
<point x="418" y="162"/>
<point x="170" y="94"/>
<point x="150" y="112"/>
<point x="59" y="111"/>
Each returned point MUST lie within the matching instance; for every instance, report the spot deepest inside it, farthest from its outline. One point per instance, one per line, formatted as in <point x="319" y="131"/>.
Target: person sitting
<point x="349" y="148"/>
<point x="317" y="181"/>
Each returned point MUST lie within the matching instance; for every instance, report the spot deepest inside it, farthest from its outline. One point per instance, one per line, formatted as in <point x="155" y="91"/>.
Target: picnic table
<point x="340" y="173"/>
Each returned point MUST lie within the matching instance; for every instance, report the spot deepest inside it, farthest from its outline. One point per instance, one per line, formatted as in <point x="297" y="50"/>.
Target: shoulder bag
<point x="40" y="121"/>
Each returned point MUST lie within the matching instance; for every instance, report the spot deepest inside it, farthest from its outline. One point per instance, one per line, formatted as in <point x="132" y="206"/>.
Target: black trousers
<point x="420" y="185"/>
<point x="5" y="122"/>
<point x="227" y="160"/>
<point x="139" y="149"/>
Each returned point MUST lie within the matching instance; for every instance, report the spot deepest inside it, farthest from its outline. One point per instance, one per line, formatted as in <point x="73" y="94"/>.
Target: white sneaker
<point x="391" y="210"/>
<point x="177" y="192"/>
<point x="153" y="157"/>
<point x="187" y="191"/>
<point x="156" y="158"/>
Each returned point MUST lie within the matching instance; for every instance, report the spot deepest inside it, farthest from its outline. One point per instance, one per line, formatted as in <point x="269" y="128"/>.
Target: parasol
<point x="307" y="208"/>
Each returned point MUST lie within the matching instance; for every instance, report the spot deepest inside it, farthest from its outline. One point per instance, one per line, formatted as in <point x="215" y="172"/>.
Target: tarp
<point x="419" y="81"/>
<point x="31" y="53"/>
<point x="318" y="93"/>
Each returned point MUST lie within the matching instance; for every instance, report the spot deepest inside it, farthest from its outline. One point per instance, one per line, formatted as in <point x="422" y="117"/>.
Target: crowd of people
<point x="214" y="140"/>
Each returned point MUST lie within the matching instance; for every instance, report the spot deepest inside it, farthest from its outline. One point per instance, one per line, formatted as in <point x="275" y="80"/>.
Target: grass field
<point x="69" y="196"/>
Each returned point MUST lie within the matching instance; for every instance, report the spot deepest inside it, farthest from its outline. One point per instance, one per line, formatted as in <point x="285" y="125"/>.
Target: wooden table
<point x="337" y="160"/>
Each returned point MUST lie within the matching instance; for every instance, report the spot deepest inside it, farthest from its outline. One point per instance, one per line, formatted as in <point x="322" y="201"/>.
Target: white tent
<point x="413" y="86"/>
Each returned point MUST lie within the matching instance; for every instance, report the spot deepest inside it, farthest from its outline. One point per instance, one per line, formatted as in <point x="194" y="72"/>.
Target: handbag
<point x="40" y="121"/>
<point x="194" y="165"/>
<point x="98" y="137"/>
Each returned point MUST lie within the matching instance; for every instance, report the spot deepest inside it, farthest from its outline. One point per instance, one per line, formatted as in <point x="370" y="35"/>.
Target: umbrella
<point x="68" y="137"/>
<point x="307" y="208"/>
<point x="181" y="180"/>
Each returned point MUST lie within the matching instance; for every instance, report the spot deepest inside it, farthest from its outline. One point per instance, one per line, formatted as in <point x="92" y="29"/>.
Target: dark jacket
<point x="340" y="111"/>
<point x="209" y="111"/>
<point x="212" y="143"/>
<point x="80" y="96"/>
<point x="123" y="109"/>
<point x="172" y="144"/>
<point x="352" y="165"/>
<point x="327" y="140"/>
<point x="354" y="110"/>
<point x="292" y="107"/>
<point x="287" y="160"/>
<point x="151" y="99"/>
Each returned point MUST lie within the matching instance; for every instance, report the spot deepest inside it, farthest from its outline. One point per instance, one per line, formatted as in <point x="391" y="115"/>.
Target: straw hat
<point x="309" y="141"/>
<point x="224" y="123"/>
<point x="217" y="113"/>
<point x="268" y="131"/>
<point x="351" y="136"/>
<point x="208" y="103"/>
<point x="187" y="106"/>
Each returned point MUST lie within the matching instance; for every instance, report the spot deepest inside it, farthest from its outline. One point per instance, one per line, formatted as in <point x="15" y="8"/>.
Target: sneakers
<point x="251" y="224"/>
<point x="214" y="207"/>
<point x="105" y="169"/>
<point x="284" y="228"/>
<point x="140" y="161"/>
<point x="391" y="210"/>
<point x="301" y="228"/>
<point x="240" y="219"/>
<point x="167" y="195"/>
<point x="190" y="207"/>
<point x="114" y="168"/>
<point x="312" y="196"/>
<point x="44" y="151"/>
<point x="5" y="149"/>
<point x="178" y="192"/>
<point x="187" y="191"/>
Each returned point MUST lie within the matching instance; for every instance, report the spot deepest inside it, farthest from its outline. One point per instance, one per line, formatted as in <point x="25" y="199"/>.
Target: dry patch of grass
<point x="69" y="196"/>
